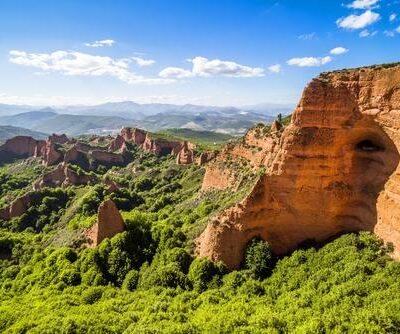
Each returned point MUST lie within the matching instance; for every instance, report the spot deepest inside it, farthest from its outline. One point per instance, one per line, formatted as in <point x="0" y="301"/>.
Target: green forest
<point x="148" y="279"/>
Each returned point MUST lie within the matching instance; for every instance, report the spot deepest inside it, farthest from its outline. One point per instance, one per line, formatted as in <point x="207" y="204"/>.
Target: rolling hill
<point x="7" y="132"/>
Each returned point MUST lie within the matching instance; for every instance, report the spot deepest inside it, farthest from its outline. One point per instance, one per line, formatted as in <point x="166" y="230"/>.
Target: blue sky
<point x="219" y="52"/>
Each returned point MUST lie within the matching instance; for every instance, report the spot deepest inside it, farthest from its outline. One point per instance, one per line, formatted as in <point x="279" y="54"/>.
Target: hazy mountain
<point x="271" y="109"/>
<point x="137" y="111"/>
<point x="226" y="121"/>
<point x="10" y="109"/>
<point x="7" y="131"/>
<point x="28" y="119"/>
<point x="80" y="124"/>
<point x="110" y="117"/>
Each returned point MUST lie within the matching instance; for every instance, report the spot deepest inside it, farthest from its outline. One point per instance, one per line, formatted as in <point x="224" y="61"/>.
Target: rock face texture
<point x="63" y="176"/>
<point x="334" y="169"/>
<point x="17" y="207"/>
<point x="135" y="135"/>
<point x="161" y="146"/>
<point x="206" y="157"/>
<point x="117" y="144"/>
<point x="185" y="156"/>
<point x="51" y="155"/>
<point x="109" y="223"/>
<point x="23" y="146"/>
<point x="58" y="139"/>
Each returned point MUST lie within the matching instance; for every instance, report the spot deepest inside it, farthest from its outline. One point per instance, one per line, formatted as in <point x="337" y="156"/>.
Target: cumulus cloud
<point x="143" y="62"/>
<point x="392" y="17"/>
<point x="81" y="64"/>
<point x="339" y="50"/>
<point x="275" y="68"/>
<point x="309" y="61"/>
<point x="363" y="4"/>
<point x="361" y="21"/>
<point x="101" y="43"/>
<point x="367" y="33"/>
<point x="204" y="67"/>
<point x="175" y="72"/>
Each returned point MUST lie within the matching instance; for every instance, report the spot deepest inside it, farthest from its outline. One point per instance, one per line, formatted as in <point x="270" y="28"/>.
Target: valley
<point x="291" y="227"/>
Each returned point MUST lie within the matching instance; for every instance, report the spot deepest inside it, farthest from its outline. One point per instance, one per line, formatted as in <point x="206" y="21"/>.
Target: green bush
<point x="258" y="258"/>
<point x="92" y="295"/>
<point x="131" y="280"/>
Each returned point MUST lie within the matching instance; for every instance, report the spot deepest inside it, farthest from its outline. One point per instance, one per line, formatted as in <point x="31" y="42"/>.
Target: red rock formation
<point x="161" y="146"/>
<point x="63" y="176"/>
<point x="185" y="156"/>
<point x="104" y="157"/>
<point x="206" y="157"/>
<point x="109" y="223"/>
<point x="335" y="169"/>
<point x="17" y="207"/>
<point x="51" y="155"/>
<point x="58" y="139"/>
<point x="135" y="135"/>
<point x="118" y="144"/>
<point x="23" y="146"/>
<point x="39" y="148"/>
<point x="276" y="126"/>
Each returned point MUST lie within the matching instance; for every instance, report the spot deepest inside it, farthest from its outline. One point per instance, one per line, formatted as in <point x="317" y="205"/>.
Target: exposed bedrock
<point x="335" y="169"/>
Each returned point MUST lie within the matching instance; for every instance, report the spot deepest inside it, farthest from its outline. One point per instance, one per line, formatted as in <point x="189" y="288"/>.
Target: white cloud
<point x="358" y="21"/>
<point x="175" y="72"/>
<point x="204" y="67"/>
<point x="362" y="4"/>
<point x="339" y="50"/>
<point x="392" y="17"/>
<point x="101" y="43"/>
<point x="143" y="62"/>
<point x="82" y="64"/>
<point x="275" y="68"/>
<point x="367" y="33"/>
<point x="308" y="37"/>
<point x="309" y="61"/>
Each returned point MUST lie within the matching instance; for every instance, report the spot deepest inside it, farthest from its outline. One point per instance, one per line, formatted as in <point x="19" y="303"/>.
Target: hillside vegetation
<point x="147" y="279"/>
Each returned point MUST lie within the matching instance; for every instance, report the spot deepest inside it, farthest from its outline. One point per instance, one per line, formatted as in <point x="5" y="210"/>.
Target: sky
<point x="209" y="52"/>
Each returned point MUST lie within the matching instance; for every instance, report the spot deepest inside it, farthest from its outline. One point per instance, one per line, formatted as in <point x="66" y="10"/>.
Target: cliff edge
<point x="333" y="169"/>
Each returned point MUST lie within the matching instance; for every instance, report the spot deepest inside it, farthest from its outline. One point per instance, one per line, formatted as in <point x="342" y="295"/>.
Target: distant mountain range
<point x="110" y="117"/>
<point x="7" y="132"/>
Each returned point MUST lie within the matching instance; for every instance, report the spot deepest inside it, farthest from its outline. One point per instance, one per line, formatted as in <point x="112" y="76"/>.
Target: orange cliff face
<point x="334" y="169"/>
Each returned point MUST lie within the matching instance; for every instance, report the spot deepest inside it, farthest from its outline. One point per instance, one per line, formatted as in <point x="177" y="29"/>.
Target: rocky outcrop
<point x="135" y="135"/>
<point x="51" y="155"/>
<point x="109" y="223"/>
<point x="104" y="157"/>
<point x="23" y="146"/>
<point x="74" y="155"/>
<point x="58" y="139"/>
<point x="206" y="157"/>
<point x="185" y="155"/>
<point x="17" y="207"/>
<point x="161" y="146"/>
<point x="117" y="144"/>
<point x="63" y="176"/>
<point x="334" y="169"/>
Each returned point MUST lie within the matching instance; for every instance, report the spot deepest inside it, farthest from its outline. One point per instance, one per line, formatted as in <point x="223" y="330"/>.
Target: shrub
<point x="92" y="295"/>
<point x="202" y="272"/>
<point x="258" y="258"/>
<point x="131" y="280"/>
